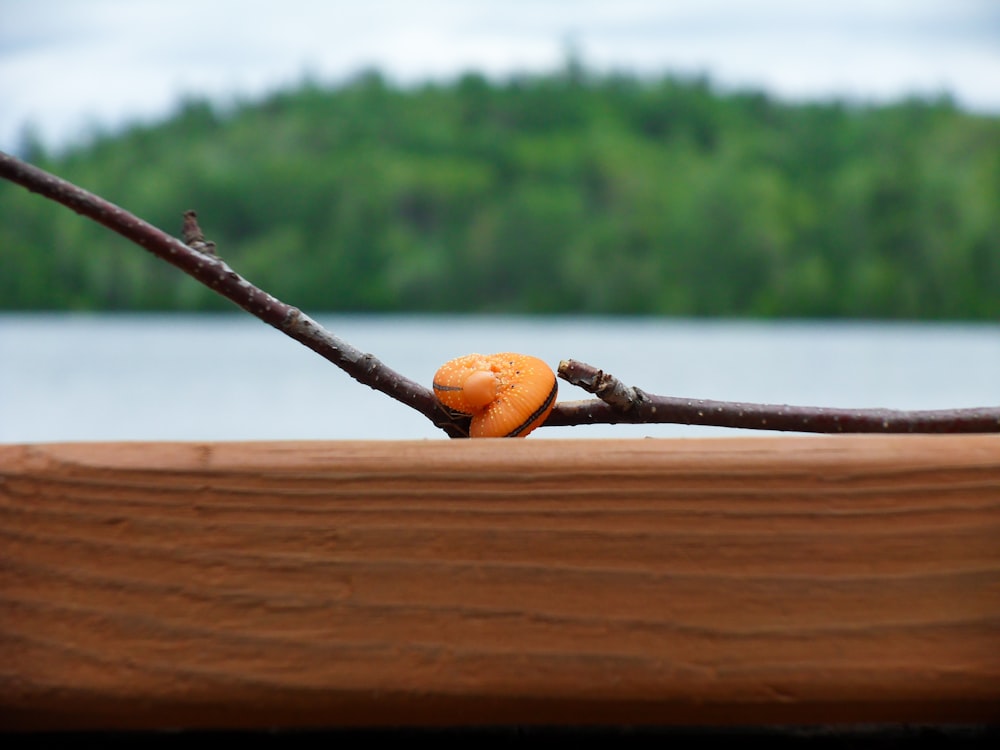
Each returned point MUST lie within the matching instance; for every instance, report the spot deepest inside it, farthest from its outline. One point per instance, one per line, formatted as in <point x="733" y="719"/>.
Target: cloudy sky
<point x="69" y="66"/>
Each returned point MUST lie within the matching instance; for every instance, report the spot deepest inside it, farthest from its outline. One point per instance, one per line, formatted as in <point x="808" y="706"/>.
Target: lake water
<point x="199" y="377"/>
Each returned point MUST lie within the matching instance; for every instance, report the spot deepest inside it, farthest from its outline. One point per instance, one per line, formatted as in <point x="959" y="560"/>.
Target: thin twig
<point x="628" y="405"/>
<point x="199" y="261"/>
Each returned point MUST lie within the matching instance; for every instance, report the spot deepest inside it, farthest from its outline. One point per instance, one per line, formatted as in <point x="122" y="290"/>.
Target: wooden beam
<point x="724" y="581"/>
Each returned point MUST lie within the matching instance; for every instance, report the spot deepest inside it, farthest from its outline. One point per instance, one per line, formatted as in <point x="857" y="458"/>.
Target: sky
<point x="69" y="68"/>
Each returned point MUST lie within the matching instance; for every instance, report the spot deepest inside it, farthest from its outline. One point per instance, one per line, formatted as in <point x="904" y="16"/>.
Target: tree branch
<point x="622" y="404"/>
<point x="619" y="404"/>
<point x="199" y="261"/>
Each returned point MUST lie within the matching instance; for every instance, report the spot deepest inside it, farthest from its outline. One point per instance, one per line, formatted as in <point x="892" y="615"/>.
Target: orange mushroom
<point x="507" y="394"/>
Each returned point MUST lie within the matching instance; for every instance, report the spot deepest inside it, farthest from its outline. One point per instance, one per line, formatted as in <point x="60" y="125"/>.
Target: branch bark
<point x="622" y="404"/>
<point x="617" y="402"/>
<point x="199" y="261"/>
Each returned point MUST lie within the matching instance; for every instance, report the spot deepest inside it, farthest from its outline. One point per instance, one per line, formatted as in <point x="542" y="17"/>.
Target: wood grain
<point x="725" y="581"/>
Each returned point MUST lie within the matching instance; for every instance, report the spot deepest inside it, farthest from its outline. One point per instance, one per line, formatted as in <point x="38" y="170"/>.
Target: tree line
<point x="569" y="192"/>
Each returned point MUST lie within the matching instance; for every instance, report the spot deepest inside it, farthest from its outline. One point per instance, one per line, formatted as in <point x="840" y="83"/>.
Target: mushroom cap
<point x="463" y="384"/>
<point x="507" y="394"/>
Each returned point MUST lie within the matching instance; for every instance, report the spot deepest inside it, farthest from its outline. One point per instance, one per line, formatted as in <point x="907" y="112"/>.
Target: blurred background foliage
<point x="562" y="193"/>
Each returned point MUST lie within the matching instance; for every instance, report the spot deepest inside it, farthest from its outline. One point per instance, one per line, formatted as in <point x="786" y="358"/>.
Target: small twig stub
<point x="192" y="236"/>
<point x="602" y="384"/>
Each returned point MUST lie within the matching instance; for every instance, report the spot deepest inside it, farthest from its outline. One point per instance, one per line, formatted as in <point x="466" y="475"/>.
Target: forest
<point x="569" y="192"/>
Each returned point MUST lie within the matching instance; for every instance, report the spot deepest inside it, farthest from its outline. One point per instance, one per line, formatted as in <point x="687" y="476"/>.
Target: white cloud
<point x="67" y="63"/>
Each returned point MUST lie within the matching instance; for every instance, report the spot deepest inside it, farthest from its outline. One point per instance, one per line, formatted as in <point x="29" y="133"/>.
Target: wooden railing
<point x="786" y="580"/>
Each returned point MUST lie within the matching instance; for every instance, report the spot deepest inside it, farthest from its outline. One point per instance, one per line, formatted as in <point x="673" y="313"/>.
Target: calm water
<point x="197" y="377"/>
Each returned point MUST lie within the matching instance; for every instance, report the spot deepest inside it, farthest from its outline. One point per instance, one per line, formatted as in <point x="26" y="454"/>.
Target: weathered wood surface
<point x="790" y="579"/>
